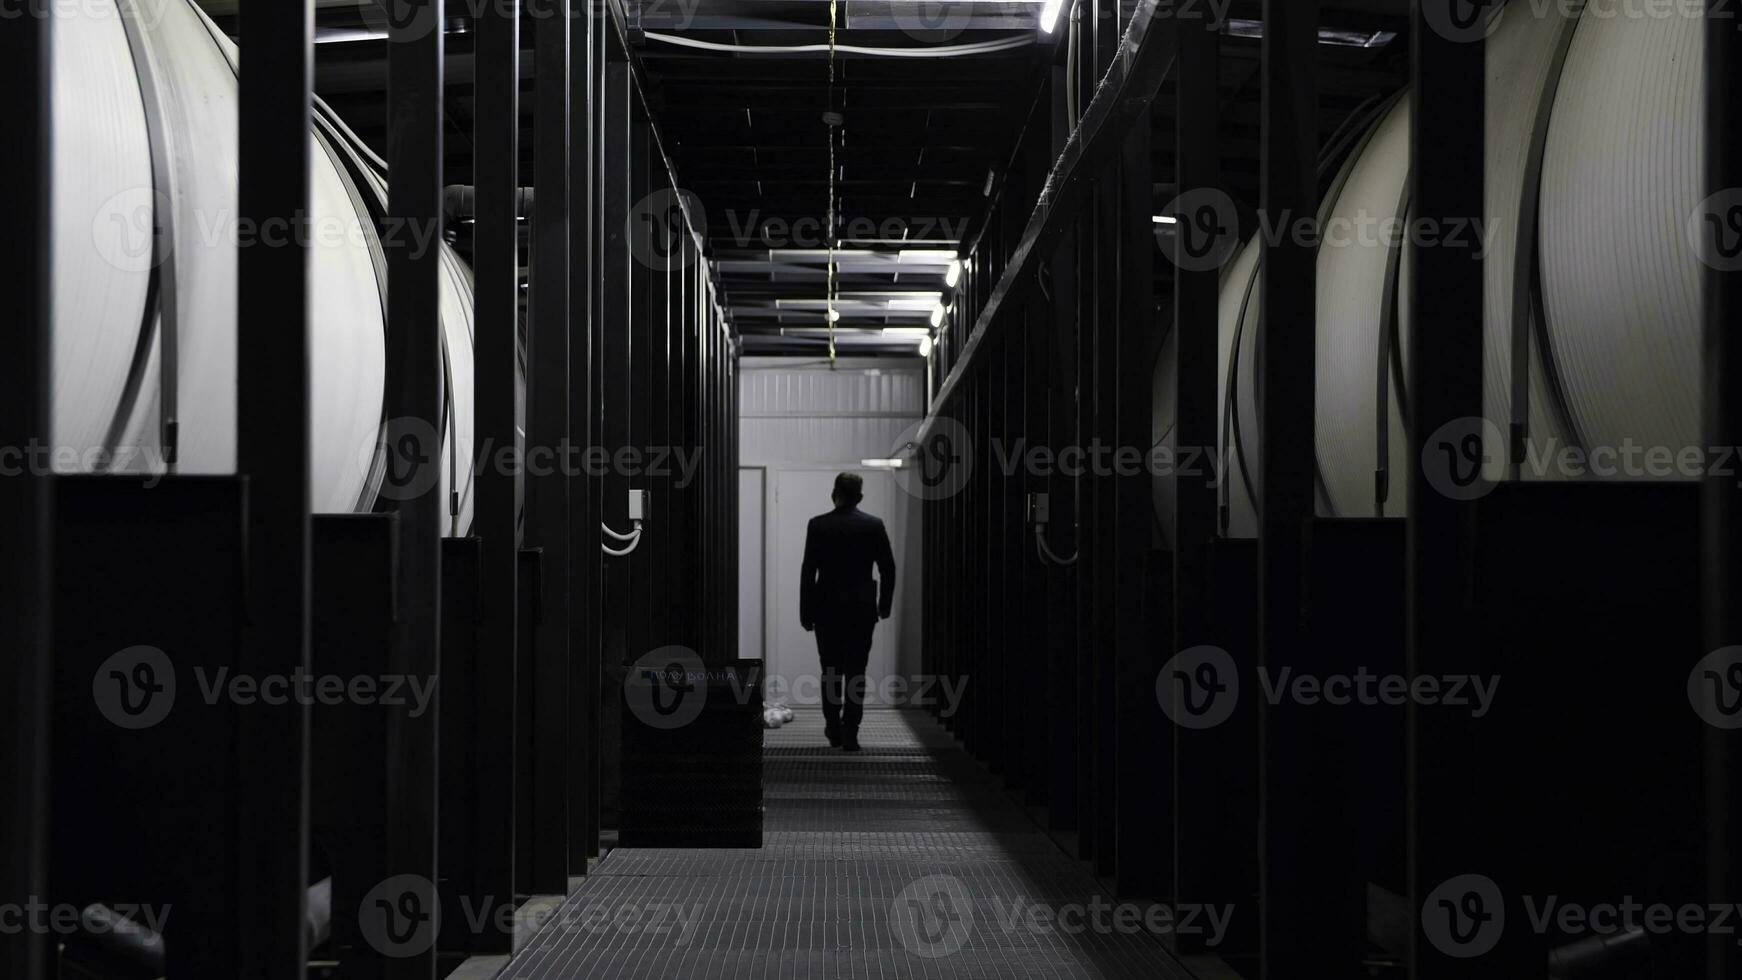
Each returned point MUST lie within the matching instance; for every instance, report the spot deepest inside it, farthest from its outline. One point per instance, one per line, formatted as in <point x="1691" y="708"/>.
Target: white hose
<point x="938" y="51"/>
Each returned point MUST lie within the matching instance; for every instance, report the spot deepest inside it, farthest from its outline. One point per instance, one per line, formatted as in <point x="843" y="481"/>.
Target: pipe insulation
<point x="1593" y="153"/>
<point x="145" y="238"/>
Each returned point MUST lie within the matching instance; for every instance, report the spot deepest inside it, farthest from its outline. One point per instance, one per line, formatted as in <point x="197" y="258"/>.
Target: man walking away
<point x="838" y="600"/>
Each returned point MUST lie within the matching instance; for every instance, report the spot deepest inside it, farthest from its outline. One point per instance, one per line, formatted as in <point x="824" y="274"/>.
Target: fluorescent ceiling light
<point x="834" y="315"/>
<point x="1049" y="15"/>
<point x="937" y="315"/>
<point x="1165" y="219"/>
<point x="925" y="346"/>
<point x="912" y="332"/>
<point x="883" y="464"/>
<point x="954" y="274"/>
<point x="928" y="255"/>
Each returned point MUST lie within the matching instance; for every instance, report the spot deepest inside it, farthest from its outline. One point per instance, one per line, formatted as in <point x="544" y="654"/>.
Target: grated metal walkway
<point x="905" y="860"/>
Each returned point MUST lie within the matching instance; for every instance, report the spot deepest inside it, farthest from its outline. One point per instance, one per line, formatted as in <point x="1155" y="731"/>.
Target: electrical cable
<point x="1046" y="553"/>
<point x="940" y="51"/>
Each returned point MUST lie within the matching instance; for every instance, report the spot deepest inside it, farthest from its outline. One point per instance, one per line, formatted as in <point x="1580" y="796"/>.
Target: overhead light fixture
<point x="925" y="346"/>
<point x="954" y="274"/>
<point x="1049" y="15"/>
<point x="834" y="315"/>
<point x="926" y="255"/>
<point x="937" y="315"/>
<point x="1165" y="219"/>
<point x="883" y="464"/>
<point x="915" y="333"/>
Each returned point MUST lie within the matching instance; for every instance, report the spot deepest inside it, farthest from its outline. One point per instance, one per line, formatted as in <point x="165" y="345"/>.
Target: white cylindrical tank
<point x="145" y="239"/>
<point x="1620" y="177"/>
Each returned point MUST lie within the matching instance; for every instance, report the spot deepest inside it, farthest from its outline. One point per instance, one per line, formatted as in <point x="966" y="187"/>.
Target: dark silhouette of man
<point x="837" y="600"/>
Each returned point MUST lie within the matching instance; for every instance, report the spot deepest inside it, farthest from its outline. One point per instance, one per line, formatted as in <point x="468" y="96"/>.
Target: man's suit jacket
<point x="840" y="548"/>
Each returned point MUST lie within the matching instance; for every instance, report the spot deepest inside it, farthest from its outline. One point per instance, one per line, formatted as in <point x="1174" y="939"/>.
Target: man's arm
<point x="885" y="573"/>
<point x="807" y="574"/>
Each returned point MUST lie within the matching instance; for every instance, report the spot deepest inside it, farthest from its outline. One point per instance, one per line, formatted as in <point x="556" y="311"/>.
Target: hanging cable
<point x="1046" y="553"/>
<point x="832" y="121"/>
<point x="939" y="51"/>
<point x="632" y="540"/>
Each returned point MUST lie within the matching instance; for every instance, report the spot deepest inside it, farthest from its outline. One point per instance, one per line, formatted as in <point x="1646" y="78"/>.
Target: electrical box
<point x="640" y="505"/>
<point x="1039" y="508"/>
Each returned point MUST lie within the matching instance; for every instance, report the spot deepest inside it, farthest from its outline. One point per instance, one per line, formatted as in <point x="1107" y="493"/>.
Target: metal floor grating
<point x="903" y="861"/>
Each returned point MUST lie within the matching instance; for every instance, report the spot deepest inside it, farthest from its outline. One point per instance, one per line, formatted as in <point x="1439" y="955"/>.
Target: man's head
<point x="849" y="490"/>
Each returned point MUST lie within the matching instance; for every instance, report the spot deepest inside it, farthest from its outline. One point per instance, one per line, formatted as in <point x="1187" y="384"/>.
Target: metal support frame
<point x="497" y="305"/>
<point x="414" y="409"/>
<point x="26" y="498"/>
<point x="1196" y="298"/>
<point x="1450" y="823"/>
<point x="548" y="420"/>
<point x="1303" y="927"/>
<point x="1721" y="496"/>
<point x="272" y="380"/>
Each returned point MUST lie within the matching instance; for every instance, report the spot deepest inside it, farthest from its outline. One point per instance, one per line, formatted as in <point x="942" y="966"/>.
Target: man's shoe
<point x="850" y="743"/>
<point x="833" y="737"/>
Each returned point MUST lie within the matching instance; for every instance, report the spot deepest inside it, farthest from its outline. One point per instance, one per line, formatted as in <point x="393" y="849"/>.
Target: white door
<point x="799" y="495"/>
<point x="752" y="539"/>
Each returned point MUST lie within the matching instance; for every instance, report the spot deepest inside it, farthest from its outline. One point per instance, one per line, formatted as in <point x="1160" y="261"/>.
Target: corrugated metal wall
<point x="801" y="417"/>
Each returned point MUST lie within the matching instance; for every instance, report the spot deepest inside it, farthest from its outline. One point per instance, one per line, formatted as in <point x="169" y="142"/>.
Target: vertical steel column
<point x="548" y="415"/>
<point x="1451" y="825"/>
<point x="272" y="381"/>
<point x="26" y="496"/>
<point x="1721" y="502"/>
<point x="1301" y="934"/>
<point x="414" y="402"/>
<point x="1197" y="155"/>
<point x="496" y="260"/>
<point x="585" y="267"/>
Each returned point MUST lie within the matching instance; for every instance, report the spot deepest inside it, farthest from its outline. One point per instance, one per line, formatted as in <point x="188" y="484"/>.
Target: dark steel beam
<point x="272" y="384"/>
<point x="26" y="497"/>
<point x="1721" y="502"/>
<point x="416" y="383"/>
<point x="547" y="420"/>
<point x="1196" y="289"/>
<point x="1452" y="827"/>
<point x="1145" y="58"/>
<point x="1304" y="907"/>
<point x="495" y="521"/>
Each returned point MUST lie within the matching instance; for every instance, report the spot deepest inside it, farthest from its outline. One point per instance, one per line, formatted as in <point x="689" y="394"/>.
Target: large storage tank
<point x="1593" y="172"/>
<point x="145" y="238"/>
